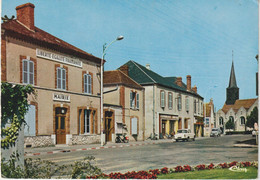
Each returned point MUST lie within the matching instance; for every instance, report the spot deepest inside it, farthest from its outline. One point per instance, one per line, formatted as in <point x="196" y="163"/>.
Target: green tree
<point x="230" y="124"/>
<point x="252" y="118"/>
<point x="14" y="105"/>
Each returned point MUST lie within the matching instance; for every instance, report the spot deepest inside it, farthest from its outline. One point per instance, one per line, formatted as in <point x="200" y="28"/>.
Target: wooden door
<point x="108" y="128"/>
<point x="60" y="129"/>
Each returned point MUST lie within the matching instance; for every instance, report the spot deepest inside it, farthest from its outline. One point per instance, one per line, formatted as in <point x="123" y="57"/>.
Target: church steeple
<point x="232" y="90"/>
<point x="232" y="79"/>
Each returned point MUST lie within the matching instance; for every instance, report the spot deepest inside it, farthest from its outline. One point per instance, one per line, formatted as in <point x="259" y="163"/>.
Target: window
<point x="87" y="83"/>
<point x="198" y="107"/>
<point x="162" y="99"/>
<point x="134" y="100"/>
<point x="221" y="121"/>
<point x="231" y="118"/>
<point x="61" y="78"/>
<point x="187" y="103"/>
<point x="201" y="111"/>
<point x="87" y="121"/>
<point x="195" y="107"/>
<point x="242" y="120"/>
<point x="86" y="126"/>
<point x="170" y="100"/>
<point x="28" y="71"/>
<point x="179" y="102"/>
<point x="207" y="122"/>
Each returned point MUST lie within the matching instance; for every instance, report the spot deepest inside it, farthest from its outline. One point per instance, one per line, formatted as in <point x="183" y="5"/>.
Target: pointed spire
<point x="232" y="79"/>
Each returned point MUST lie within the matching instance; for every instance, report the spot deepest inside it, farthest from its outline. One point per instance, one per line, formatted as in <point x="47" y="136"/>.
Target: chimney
<point x="124" y="69"/>
<point x="148" y="66"/>
<point x="25" y="15"/>
<point x="194" y="89"/>
<point x="188" y="82"/>
<point x="179" y="81"/>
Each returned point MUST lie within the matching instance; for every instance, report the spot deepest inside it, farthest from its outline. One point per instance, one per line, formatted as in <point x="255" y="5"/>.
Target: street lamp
<point x="101" y="84"/>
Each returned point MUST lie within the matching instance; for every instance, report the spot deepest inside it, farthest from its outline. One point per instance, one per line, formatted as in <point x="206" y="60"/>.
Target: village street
<point x="201" y="151"/>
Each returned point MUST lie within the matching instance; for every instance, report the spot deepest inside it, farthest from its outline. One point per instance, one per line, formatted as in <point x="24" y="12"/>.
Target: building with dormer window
<point x="169" y="103"/>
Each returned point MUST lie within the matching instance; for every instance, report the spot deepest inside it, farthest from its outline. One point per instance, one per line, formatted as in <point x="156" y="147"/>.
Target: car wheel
<point x="177" y="140"/>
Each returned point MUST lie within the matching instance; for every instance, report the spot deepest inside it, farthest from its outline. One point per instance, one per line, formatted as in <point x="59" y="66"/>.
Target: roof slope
<point x="246" y="103"/>
<point x="232" y="79"/>
<point x="144" y="76"/>
<point x="17" y="30"/>
<point x="117" y="77"/>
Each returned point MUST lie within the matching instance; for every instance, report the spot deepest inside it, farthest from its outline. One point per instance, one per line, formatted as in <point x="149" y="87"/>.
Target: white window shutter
<point x="134" y="126"/>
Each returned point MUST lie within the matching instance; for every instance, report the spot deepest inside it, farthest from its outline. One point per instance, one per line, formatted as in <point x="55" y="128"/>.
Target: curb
<point x="89" y="149"/>
<point x="245" y="146"/>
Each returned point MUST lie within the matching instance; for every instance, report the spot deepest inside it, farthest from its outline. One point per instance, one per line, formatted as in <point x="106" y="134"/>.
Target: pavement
<point x="88" y="147"/>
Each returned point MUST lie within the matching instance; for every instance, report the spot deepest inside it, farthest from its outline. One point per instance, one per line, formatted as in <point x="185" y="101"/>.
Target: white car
<point x="184" y="135"/>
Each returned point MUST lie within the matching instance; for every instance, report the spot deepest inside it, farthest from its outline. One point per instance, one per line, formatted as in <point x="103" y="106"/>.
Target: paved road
<point x="203" y="151"/>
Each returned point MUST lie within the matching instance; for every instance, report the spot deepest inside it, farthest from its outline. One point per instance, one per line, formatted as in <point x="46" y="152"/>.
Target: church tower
<point x="232" y="90"/>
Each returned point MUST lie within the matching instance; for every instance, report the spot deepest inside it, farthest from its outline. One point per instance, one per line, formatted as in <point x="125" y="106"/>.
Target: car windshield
<point x="214" y="129"/>
<point x="182" y="131"/>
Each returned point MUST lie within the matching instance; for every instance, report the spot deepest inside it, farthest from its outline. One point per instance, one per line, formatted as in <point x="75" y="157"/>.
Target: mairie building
<point x="66" y="107"/>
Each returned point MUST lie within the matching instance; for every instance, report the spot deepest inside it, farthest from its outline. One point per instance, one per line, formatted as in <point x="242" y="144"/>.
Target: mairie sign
<point x="61" y="97"/>
<point x="59" y="58"/>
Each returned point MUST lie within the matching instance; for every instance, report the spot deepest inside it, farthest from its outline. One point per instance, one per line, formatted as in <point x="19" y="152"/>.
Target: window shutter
<point x="131" y="99"/>
<point x="89" y="83"/>
<point x="29" y="128"/>
<point x="85" y="83"/>
<point x="58" y="78"/>
<point x="137" y="101"/>
<point x="134" y="126"/>
<point x="31" y="72"/>
<point x="63" y="79"/>
<point x="25" y="71"/>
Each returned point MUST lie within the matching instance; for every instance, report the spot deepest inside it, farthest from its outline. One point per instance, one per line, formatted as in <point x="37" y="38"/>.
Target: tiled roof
<point x="17" y="30"/>
<point x="117" y="77"/>
<point x="144" y="76"/>
<point x="246" y="103"/>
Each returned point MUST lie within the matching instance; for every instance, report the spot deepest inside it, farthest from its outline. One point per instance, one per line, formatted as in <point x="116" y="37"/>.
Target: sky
<point x="176" y="37"/>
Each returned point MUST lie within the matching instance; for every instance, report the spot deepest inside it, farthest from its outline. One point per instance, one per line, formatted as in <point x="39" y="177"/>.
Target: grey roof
<point x="144" y="76"/>
<point x="232" y="79"/>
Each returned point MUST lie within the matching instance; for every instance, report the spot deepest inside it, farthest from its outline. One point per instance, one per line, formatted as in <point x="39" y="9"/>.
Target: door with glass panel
<point x="60" y="125"/>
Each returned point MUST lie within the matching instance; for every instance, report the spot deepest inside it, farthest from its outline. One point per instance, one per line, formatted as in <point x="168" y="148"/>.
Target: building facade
<point x="235" y="109"/>
<point x="209" y="120"/>
<point x="123" y="106"/>
<point x="66" y="108"/>
<point x="169" y="103"/>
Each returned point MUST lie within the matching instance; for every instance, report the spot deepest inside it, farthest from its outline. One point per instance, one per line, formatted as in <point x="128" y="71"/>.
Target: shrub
<point x="164" y="170"/>
<point x="200" y="167"/>
<point x="179" y="169"/>
<point x="224" y="165"/>
<point x="211" y="166"/>
<point x="155" y="171"/>
<point x="232" y="163"/>
<point x="187" y="168"/>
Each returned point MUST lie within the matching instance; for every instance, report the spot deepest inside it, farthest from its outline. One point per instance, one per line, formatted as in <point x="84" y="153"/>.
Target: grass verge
<point x="213" y="174"/>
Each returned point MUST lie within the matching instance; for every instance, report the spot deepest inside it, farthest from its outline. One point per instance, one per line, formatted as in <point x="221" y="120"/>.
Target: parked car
<point x="215" y="132"/>
<point x="184" y="135"/>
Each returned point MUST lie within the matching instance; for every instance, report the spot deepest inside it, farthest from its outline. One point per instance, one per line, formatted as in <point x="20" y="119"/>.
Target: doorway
<point x="163" y="127"/>
<point x="60" y="125"/>
<point x="109" y="125"/>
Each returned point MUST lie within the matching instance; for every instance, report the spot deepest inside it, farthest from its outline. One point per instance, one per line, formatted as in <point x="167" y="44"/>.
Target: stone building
<point x="235" y="109"/>
<point x="169" y="103"/>
<point x="209" y="119"/>
<point x="123" y="106"/>
<point x="66" y="109"/>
